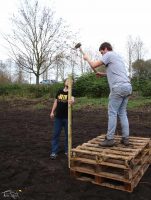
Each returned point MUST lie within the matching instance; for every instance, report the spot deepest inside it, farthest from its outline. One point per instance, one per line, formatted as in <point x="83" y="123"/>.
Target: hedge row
<point x="86" y="85"/>
<point x="31" y="91"/>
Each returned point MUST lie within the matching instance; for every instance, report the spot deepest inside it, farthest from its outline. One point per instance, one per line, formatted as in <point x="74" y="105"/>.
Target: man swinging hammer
<point x="120" y="89"/>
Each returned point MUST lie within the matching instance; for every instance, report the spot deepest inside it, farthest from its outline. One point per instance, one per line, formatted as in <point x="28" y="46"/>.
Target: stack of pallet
<point x="117" y="167"/>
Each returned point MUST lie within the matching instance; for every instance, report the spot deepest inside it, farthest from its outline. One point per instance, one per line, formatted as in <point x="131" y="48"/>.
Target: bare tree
<point x="138" y="49"/>
<point x="60" y="66"/>
<point x="81" y="63"/>
<point x="45" y="75"/>
<point x="78" y="62"/>
<point x="142" y="69"/>
<point x="37" y="38"/>
<point x="9" y="65"/>
<point x="135" y="51"/>
<point x="130" y="50"/>
<point x="67" y="62"/>
<point x="19" y="75"/>
<point x="4" y="74"/>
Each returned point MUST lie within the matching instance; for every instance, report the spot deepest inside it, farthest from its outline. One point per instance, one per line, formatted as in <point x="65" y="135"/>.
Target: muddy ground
<point x="25" y="135"/>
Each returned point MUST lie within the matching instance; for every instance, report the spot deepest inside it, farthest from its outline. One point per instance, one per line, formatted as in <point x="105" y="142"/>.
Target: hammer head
<point x="77" y="46"/>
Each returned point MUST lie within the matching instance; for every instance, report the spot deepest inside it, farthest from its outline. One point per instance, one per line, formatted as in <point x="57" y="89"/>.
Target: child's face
<point x="66" y="83"/>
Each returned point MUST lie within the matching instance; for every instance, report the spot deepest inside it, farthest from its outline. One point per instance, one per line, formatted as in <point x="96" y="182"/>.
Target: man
<point x="60" y="106"/>
<point x="120" y="89"/>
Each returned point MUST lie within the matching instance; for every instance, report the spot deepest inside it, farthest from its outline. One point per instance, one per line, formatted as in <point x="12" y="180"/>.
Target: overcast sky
<point x="97" y="21"/>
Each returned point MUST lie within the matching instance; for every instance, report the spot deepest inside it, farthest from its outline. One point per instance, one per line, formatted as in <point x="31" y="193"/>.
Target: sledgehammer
<point x="78" y="46"/>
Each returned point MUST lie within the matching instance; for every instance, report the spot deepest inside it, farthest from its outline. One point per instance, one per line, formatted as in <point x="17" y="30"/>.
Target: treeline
<point x="10" y="72"/>
<point x="86" y="85"/>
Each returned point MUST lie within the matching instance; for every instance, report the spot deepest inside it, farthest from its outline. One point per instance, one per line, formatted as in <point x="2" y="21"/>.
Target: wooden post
<point x="69" y="119"/>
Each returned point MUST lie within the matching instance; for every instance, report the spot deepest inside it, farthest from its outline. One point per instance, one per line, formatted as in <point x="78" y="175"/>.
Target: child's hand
<point x="51" y="115"/>
<point x="71" y="101"/>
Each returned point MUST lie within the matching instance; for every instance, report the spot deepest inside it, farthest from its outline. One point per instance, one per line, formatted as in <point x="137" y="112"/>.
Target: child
<point x="60" y="107"/>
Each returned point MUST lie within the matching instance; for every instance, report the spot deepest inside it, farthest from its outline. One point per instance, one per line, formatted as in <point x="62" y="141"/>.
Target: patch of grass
<point x="138" y="102"/>
<point x="135" y="102"/>
<point x="39" y="106"/>
<point x="84" y="102"/>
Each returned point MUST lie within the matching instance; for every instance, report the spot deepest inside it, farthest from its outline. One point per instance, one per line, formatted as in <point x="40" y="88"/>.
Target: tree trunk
<point x="37" y="80"/>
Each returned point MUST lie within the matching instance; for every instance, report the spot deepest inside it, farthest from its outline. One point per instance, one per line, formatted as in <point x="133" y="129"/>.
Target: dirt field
<point x="25" y="136"/>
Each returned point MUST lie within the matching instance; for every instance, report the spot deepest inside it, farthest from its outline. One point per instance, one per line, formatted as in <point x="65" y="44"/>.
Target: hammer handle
<point x="81" y="51"/>
<point x="83" y="55"/>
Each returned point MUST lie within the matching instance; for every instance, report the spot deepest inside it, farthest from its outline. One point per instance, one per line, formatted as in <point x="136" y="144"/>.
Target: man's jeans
<point x="118" y="100"/>
<point x="58" y="125"/>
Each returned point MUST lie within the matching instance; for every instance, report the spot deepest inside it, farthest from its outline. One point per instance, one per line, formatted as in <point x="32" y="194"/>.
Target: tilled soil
<point x="25" y="136"/>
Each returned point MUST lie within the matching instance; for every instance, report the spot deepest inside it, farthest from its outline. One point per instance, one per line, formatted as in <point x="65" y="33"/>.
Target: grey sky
<point x="97" y="20"/>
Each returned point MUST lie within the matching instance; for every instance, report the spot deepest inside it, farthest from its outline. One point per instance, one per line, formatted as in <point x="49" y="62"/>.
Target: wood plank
<point x="131" y="137"/>
<point x="107" y="151"/>
<point x="131" y="147"/>
<point x="132" y="142"/>
<point x="123" y="148"/>
<point x="101" y="174"/>
<point x="89" y="161"/>
<point x="103" y="155"/>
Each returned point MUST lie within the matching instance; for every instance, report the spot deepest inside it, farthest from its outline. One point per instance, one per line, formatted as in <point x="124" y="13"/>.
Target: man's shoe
<point x="125" y="141"/>
<point x="53" y="156"/>
<point x="107" y="143"/>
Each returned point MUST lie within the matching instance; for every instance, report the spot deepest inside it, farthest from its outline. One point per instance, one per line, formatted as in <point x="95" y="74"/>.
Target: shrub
<point x="89" y="85"/>
<point x="142" y="86"/>
<point x="146" y="88"/>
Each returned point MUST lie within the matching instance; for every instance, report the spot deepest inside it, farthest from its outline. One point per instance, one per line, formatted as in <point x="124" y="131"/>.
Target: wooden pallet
<point x="117" y="167"/>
